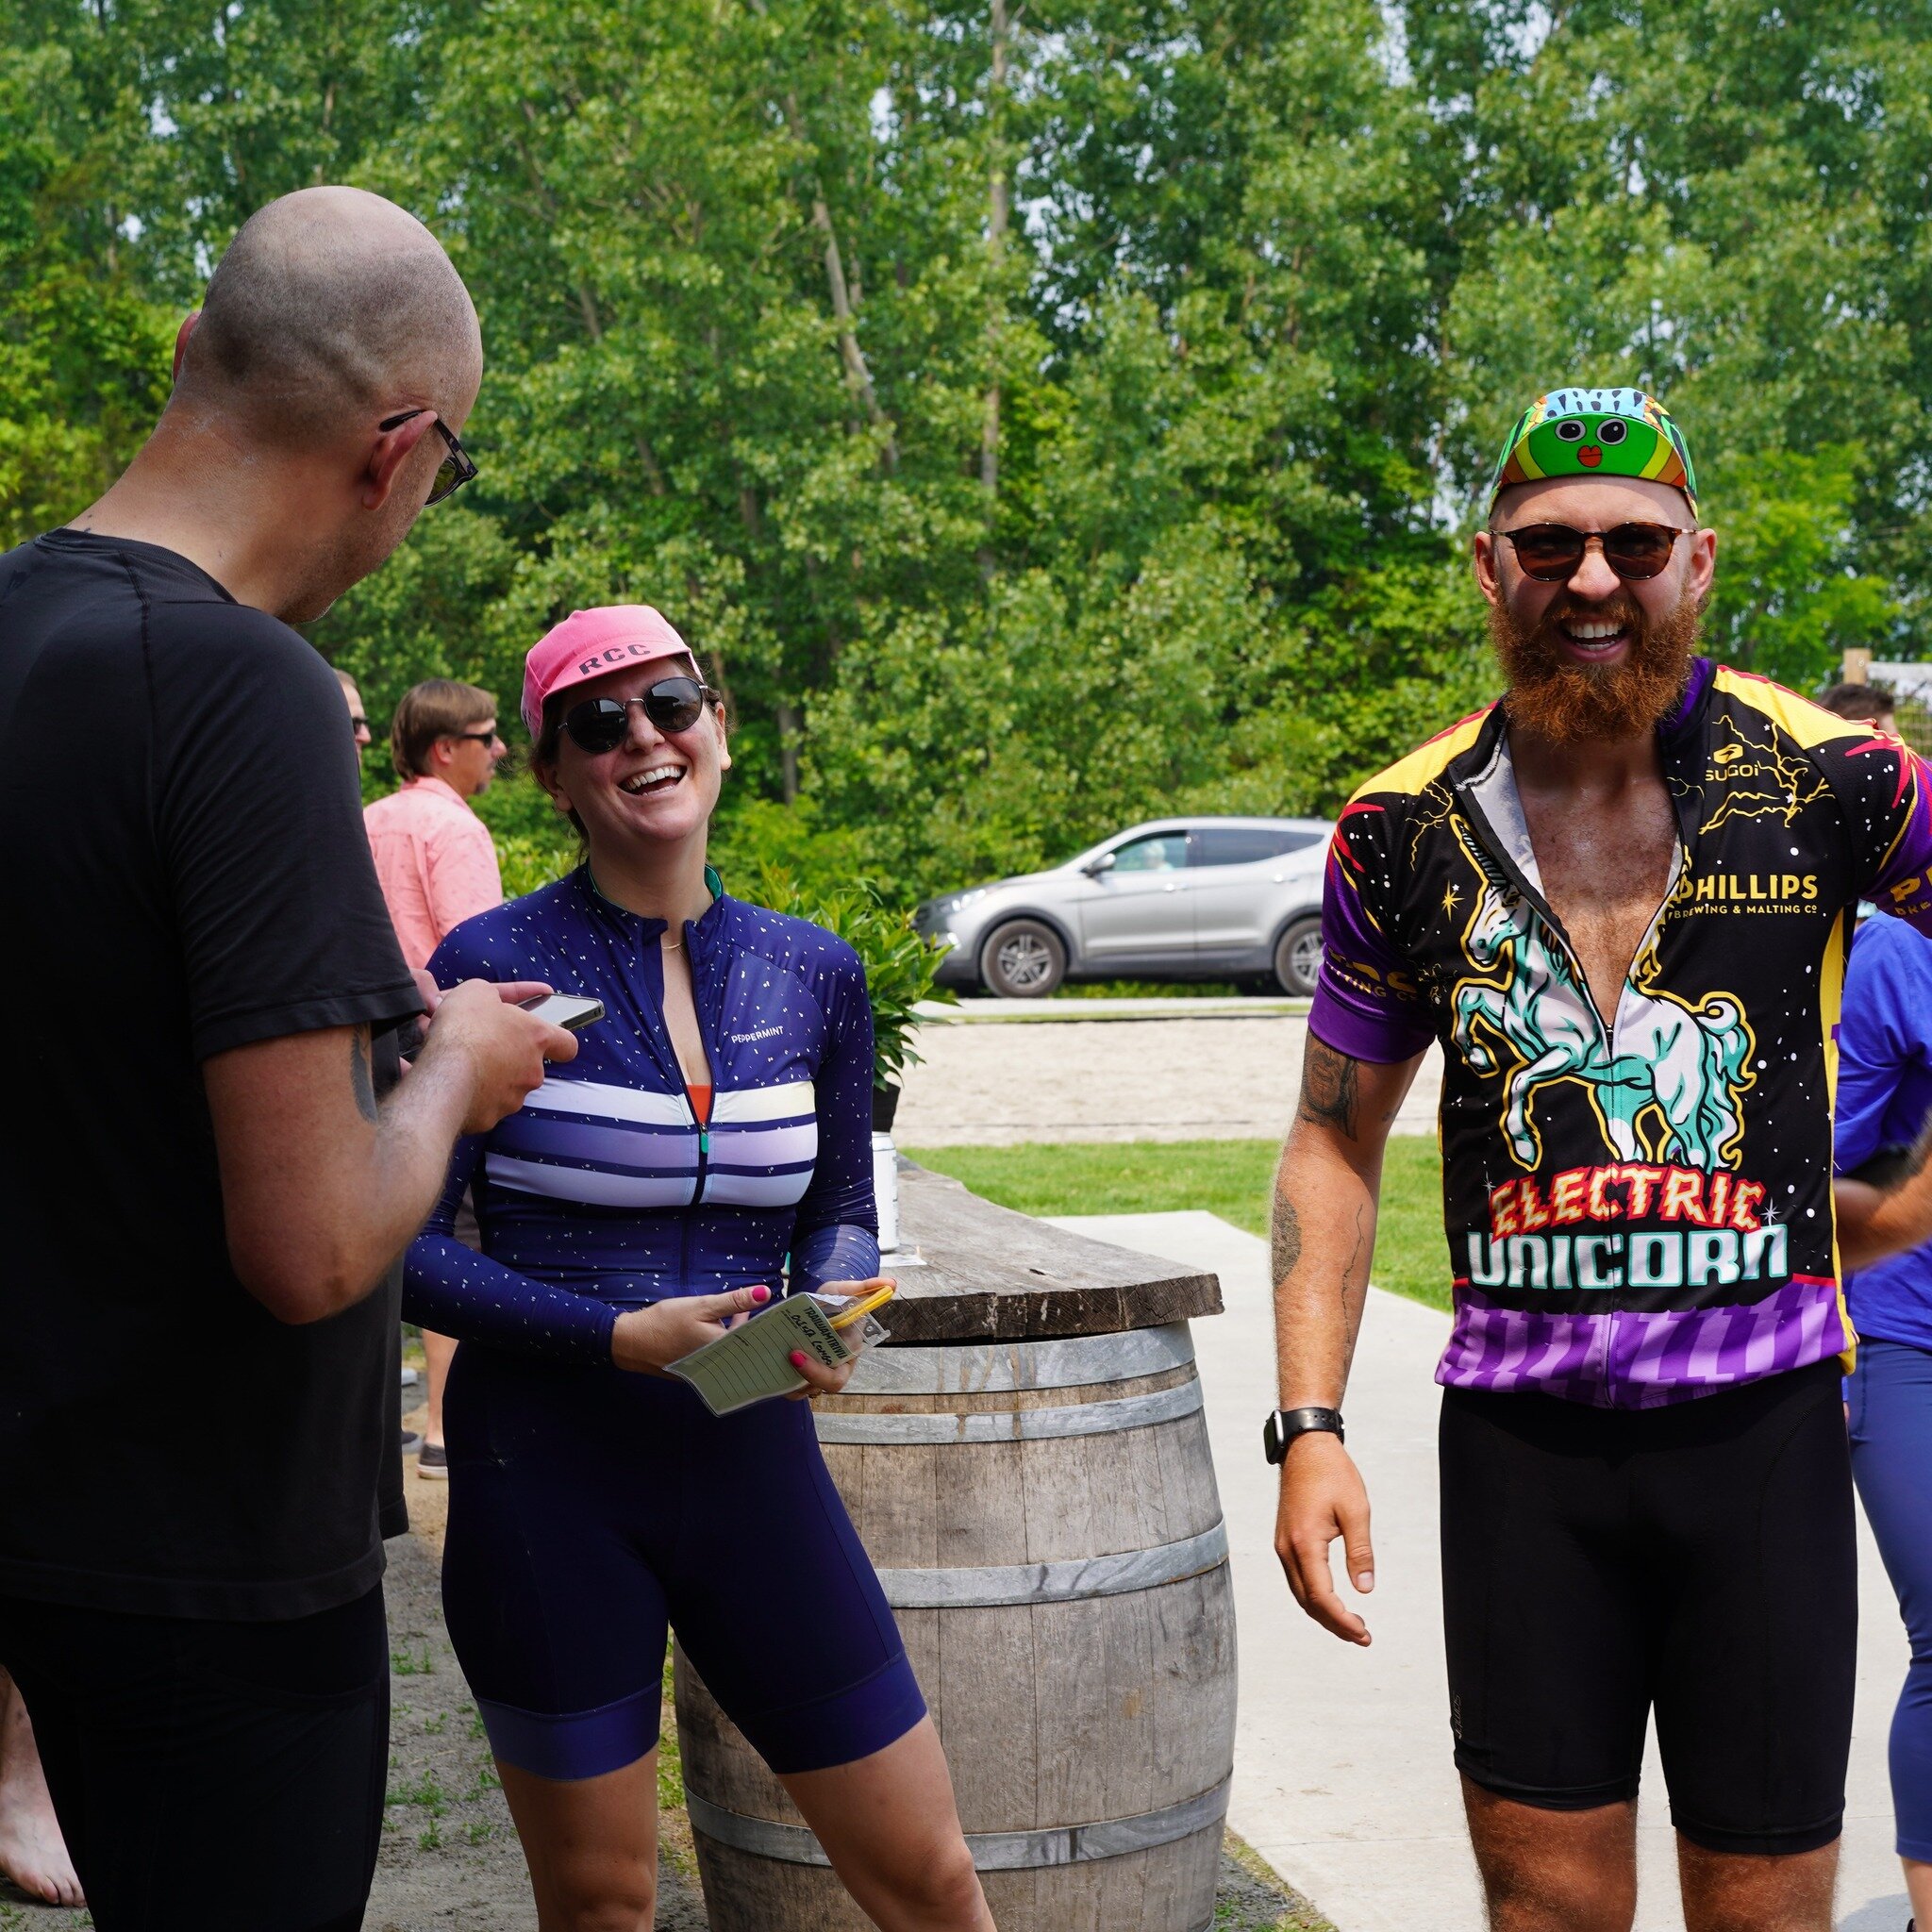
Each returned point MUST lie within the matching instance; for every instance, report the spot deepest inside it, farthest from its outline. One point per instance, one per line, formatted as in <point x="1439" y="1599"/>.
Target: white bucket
<point x="885" y="1187"/>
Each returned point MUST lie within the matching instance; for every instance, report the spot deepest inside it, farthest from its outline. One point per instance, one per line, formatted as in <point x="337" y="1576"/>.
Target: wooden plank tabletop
<point x="994" y="1275"/>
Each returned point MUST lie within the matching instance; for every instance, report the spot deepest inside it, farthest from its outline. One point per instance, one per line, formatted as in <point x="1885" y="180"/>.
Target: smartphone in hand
<point x="570" y="1010"/>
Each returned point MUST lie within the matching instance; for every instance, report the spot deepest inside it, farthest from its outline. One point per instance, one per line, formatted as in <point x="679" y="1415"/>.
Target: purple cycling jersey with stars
<point x="606" y="1191"/>
<point x="1637" y="1202"/>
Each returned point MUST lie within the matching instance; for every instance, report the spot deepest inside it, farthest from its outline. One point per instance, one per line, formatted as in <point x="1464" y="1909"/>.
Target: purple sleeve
<point x="1884" y="1037"/>
<point x="837" y="1238"/>
<point x="450" y="1289"/>
<point x="1367" y="1005"/>
<point x="1887" y="793"/>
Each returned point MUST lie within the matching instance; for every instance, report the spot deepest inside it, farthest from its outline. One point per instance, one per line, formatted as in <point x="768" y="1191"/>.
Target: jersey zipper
<point x="1487" y="839"/>
<point x="700" y="1000"/>
<point x="664" y="1051"/>
<point x="704" y="1138"/>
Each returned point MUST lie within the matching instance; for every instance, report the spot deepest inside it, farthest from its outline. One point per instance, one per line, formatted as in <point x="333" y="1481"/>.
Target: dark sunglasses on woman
<point x="1553" y="553"/>
<point x="672" y="704"/>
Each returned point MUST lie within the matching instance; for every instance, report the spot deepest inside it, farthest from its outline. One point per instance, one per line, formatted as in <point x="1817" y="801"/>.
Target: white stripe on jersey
<point x="598" y="1189"/>
<point x="602" y="1100"/>
<point x="742" y="1106"/>
<point x="755" y="1190"/>
<point x="766" y="1146"/>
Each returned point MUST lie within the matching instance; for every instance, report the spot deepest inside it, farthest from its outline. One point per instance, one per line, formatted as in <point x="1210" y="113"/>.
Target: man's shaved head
<point x="330" y="306"/>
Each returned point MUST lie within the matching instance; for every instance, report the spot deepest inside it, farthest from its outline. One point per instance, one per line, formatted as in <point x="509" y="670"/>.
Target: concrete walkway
<point x="1342" y="1777"/>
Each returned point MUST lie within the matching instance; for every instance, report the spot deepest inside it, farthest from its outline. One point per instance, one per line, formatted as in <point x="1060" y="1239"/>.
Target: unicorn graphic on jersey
<point x="1664" y="1080"/>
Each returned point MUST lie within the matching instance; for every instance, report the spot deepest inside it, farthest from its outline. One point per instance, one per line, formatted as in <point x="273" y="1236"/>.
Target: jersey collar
<point x="1689" y="705"/>
<point x="593" y="898"/>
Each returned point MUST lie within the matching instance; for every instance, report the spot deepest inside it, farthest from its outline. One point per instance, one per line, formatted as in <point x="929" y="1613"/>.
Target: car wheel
<point x="1298" y="957"/>
<point x="1024" y="960"/>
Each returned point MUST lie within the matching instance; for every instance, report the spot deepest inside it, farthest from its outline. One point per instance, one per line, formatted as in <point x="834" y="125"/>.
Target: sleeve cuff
<point x="1380" y="1037"/>
<point x="380" y="1010"/>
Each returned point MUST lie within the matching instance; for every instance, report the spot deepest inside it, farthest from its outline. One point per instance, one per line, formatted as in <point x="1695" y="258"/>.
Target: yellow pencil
<point x="864" y="1306"/>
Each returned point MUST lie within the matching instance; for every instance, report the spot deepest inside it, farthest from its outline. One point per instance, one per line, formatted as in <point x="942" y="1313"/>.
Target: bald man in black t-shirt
<point x="203" y="1182"/>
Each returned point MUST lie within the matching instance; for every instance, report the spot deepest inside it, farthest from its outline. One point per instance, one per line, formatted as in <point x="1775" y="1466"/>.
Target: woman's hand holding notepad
<point x="794" y="1347"/>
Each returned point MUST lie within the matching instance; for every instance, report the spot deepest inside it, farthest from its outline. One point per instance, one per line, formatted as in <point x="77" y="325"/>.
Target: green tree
<point x="82" y="347"/>
<point x="1040" y="413"/>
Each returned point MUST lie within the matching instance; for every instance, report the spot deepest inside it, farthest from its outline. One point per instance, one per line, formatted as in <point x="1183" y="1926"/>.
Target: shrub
<point x="899" y="960"/>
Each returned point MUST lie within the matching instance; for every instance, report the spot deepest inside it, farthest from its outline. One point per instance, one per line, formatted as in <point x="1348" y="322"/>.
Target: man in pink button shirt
<point x="433" y="854"/>
<point x="437" y="866"/>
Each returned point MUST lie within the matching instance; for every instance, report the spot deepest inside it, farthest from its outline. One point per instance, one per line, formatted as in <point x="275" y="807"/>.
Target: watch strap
<point x="1284" y="1425"/>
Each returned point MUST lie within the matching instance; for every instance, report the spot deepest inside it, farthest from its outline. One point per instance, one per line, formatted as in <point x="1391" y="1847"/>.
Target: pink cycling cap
<point x="589" y="643"/>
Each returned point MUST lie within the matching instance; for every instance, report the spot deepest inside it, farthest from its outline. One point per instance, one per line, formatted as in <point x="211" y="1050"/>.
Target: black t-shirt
<point x="182" y="852"/>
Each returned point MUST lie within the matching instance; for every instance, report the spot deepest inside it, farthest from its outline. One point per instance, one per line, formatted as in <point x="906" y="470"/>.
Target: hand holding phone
<point x="570" y="1010"/>
<point x="502" y="1047"/>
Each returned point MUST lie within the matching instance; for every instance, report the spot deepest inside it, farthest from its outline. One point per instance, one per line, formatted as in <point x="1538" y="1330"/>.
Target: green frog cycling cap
<point x="1595" y="432"/>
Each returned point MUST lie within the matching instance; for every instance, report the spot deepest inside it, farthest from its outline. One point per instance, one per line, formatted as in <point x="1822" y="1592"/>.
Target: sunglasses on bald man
<point x="457" y="468"/>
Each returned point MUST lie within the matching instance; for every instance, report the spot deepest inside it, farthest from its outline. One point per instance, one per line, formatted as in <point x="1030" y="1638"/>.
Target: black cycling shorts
<point x="1698" y="1558"/>
<point x="211" y="1777"/>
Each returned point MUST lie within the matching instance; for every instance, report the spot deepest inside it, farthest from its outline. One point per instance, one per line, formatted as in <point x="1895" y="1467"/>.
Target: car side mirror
<point x="1093" y="868"/>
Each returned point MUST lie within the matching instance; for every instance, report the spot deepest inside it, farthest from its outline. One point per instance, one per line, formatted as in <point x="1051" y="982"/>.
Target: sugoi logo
<point x="1727" y="755"/>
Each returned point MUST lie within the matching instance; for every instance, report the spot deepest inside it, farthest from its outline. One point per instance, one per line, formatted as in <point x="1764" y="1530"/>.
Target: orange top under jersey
<point x="701" y="1103"/>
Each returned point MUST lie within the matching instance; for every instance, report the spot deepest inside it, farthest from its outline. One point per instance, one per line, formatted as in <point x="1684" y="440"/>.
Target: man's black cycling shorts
<point x="211" y="1777"/>
<point x="1698" y="1559"/>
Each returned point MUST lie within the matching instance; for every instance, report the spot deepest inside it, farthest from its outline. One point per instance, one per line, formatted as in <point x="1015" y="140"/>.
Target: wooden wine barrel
<point x="1027" y="1466"/>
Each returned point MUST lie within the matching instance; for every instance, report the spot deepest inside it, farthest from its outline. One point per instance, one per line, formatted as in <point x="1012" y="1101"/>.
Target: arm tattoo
<point x="361" y="1084"/>
<point x="1288" y="1237"/>
<point x="1355" y="1281"/>
<point x="1328" y="1087"/>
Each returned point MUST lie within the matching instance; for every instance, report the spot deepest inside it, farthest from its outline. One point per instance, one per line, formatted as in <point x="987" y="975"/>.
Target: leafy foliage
<point x="1003" y="529"/>
<point x="899" y="962"/>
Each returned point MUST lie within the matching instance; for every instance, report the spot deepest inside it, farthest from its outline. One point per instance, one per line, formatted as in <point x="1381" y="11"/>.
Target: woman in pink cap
<point x="716" y="1121"/>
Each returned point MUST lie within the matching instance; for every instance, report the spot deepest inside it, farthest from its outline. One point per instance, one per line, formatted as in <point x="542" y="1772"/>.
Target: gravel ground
<point x="450" y="1856"/>
<point x="986" y="1084"/>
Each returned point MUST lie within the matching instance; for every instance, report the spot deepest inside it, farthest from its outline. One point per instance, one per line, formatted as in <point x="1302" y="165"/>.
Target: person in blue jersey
<point x="717" y="1120"/>
<point x="1884" y="1105"/>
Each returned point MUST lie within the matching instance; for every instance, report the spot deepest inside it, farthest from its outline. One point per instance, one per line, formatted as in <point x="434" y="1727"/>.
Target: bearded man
<point x="1621" y="898"/>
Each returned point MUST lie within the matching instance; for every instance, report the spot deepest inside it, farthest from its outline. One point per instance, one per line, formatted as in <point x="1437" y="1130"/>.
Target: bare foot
<point x="33" y="1855"/>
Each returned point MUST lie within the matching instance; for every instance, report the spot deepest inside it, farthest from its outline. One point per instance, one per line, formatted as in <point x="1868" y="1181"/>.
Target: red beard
<point x="1566" y="701"/>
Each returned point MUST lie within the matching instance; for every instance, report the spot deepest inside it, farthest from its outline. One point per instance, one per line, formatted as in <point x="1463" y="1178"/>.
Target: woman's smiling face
<point x="657" y="787"/>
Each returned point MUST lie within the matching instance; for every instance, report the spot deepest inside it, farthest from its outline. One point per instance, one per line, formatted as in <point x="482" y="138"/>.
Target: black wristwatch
<point x="1284" y="1425"/>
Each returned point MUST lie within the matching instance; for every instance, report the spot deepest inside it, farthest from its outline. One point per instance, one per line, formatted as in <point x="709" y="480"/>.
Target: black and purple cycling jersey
<point x="1638" y="1204"/>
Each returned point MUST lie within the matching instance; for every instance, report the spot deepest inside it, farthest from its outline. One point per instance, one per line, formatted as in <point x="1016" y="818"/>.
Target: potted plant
<point x="899" y="962"/>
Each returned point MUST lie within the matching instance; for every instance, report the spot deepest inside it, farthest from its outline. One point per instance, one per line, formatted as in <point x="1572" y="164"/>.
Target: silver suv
<point x="1173" y="899"/>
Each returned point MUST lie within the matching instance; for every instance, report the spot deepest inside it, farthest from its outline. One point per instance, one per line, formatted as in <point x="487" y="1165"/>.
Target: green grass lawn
<point x="1232" y="1178"/>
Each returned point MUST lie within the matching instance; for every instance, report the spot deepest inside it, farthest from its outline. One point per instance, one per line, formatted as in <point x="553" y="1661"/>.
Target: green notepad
<point x="753" y="1362"/>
